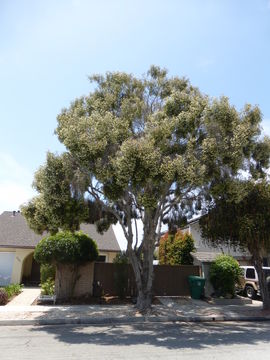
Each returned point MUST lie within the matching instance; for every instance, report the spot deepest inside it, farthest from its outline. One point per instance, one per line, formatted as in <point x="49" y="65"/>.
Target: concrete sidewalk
<point x="176" y="310"/>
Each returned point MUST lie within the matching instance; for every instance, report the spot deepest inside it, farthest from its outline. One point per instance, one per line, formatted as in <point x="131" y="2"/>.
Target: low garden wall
<point x="65" y="277"/>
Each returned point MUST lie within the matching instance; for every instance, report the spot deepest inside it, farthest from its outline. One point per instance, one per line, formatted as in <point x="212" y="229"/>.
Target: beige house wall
<point x="7" y="250"/>
<point x="20" y="256"/>
<point x="110" y="255"/>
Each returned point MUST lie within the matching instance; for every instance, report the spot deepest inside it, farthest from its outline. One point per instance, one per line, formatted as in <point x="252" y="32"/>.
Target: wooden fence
<point x="168" y="280"/>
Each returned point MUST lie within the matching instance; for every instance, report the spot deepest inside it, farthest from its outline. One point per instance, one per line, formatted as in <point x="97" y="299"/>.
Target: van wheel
<point x="250" y="292"/>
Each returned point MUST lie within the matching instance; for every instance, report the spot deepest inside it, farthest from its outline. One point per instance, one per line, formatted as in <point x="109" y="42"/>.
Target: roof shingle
<point x="14" y="232"/>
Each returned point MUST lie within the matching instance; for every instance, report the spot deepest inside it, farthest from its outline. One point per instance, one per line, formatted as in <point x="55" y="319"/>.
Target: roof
<point x="15" y="233"/>
<point x="194" y="220"/>
<point x="210" y="256"/>
<point x="205" y="256"/>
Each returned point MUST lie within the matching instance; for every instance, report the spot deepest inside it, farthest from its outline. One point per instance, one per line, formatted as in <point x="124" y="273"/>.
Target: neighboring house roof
<point x="205" y="257"/>
<point x="15" y="233"/>
<point x="208" y="257"/>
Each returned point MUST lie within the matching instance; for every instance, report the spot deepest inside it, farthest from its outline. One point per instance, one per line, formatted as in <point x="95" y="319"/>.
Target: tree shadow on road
<point x="167" y="335"/>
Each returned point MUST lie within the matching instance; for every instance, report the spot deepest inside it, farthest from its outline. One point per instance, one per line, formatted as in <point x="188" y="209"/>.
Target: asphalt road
<point x="141" y="341"/>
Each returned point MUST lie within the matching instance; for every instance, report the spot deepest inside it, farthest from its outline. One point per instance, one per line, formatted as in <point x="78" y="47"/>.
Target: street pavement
<point x="230" y="340"/>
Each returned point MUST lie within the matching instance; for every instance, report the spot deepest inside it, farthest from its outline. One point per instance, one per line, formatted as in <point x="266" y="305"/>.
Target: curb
<point x="130" y="320"/>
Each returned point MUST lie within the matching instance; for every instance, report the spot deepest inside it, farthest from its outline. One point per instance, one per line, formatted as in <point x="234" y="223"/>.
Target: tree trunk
<point x="142" y="264"/>
<point x="65" y="281"/>
<point x="258" y="263"/>
<point x="144" y="298"/>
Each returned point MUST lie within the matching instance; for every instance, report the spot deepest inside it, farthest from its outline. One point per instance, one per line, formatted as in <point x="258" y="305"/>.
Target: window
<point x="101" y="258"/>
<point x="265" y="261"/>
<point x="266" y="272"/>
<point x="250" y="273"/>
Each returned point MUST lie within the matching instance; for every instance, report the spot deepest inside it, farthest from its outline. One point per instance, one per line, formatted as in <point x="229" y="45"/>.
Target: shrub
<point x="13" y="289"/>
<point x="175" y="249"/>
<point x="47" y="271"/>
<point x="225" y="273"/>
<point x="3" y="296"/>
<point x="67" y="248"/>
<point x="121" y="258"/>
<point x="47" y="288"/>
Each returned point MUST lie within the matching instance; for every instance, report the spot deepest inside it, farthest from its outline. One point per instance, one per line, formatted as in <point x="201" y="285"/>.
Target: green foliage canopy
<point x="240" y="218"/>
<point x="66" y="248"/>
<point x="60" y="203"/>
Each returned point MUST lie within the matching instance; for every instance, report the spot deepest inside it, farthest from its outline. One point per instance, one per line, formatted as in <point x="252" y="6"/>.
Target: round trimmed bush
<point x="225" y="273"/>
<point x="67" y="248"/>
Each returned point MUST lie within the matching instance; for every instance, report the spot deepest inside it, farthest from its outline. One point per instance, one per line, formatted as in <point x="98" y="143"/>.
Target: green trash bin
<point x="196" y="285"/>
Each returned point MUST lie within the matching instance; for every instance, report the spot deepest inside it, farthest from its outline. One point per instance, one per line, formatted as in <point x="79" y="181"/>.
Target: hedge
<point x="67" y="248"/>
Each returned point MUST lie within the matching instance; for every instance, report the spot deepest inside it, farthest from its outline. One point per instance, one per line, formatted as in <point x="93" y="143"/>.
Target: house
<point x="18" y="242"/>
<point x="206" y="253"/>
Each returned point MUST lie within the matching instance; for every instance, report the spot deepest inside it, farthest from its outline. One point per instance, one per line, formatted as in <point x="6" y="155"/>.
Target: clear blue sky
<point x="48" y="48"/>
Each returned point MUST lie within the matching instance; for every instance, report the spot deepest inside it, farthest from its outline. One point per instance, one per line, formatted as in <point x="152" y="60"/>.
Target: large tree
<point x="240" y="218"/>
<point x="149" y="148"/>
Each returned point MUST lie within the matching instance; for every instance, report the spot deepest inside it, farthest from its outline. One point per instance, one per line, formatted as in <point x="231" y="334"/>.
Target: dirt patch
<point x="104" y="300"/>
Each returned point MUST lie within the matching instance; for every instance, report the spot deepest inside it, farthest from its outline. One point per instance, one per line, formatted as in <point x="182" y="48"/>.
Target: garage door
<point x="6" y="266"/>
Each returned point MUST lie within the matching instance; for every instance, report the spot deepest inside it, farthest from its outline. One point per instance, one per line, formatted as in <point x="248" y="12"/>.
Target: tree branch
<point x="111" y="210"/>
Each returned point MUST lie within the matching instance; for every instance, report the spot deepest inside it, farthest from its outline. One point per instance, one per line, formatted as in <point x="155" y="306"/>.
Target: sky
<point x="49" y="48"/>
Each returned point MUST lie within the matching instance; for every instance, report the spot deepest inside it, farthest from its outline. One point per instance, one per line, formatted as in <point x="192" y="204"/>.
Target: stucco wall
<point x="110" y="255"/>
<point x="20" y="256"/>
<point x="208" y="289"/>
<point x="202" y="246"/>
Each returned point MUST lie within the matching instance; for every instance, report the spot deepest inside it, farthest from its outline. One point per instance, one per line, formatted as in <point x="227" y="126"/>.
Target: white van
<point x="251" y="281"/>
